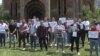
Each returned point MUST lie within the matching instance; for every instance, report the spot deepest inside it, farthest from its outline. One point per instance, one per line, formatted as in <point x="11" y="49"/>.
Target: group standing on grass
<point x="51" y="32"/>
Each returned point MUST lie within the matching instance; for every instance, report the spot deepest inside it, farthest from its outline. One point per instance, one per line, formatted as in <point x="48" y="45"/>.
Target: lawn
<point x="6" y="51"/>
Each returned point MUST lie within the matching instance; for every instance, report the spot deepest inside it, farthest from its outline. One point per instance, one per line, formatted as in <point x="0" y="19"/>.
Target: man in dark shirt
<point x="42" y="35"/>
<point x="23" y="28"/>
<point x="12" y="30"/>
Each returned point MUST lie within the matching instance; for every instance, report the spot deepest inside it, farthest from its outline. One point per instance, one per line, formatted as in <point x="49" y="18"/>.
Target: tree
<point x="87" y="13"/>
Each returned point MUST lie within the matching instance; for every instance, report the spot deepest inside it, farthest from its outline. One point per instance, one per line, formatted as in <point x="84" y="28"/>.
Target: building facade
<point x="97" y="4"/>
<point x="41" y="8"/>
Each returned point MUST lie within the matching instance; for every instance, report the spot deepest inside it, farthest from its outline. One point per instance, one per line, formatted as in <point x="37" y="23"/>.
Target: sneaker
<point x="51" y="45"/>
<point x="71" y="52"/>
<point x="63" y="51"/>
<point x="55" y="44"/>
<point x="66" y="44"/>
<point x="23" y="49"/>
<point x="57" y="51"/>
<point x="69" y="45"/>
<point x="79" y="53"/>
<point x="35" y="49"/>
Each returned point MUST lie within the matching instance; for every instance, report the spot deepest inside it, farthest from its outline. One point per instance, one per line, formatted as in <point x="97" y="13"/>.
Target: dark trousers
<point x="81" y="34"/>
<point x="42" y="41"/>
<point x="22" y="38"/>
<point x="27" y="37"/>
<point x="33" y="41"/>
<point x="86" y="33"/>
<point x="69" y="37"/>
<point x="2" y="39"/>
<point x="76" y="40"/>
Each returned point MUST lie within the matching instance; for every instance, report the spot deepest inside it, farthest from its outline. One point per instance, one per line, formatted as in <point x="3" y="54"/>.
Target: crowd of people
<point x="50" y="32"/>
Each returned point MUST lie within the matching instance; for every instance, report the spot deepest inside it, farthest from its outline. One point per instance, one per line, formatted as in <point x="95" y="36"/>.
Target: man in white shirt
<point x="81" y="32"/>
<point x="51" y="29"/>
<point x="46" y="23"/>
<point x="3" y="29"/>
<point x="34" y="19"/>
<point x="86" y="23"/>
<point x="37" y="22"/>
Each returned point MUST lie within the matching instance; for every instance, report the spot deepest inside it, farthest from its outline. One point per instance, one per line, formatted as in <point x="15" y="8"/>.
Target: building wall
<point x="53" y="8"/>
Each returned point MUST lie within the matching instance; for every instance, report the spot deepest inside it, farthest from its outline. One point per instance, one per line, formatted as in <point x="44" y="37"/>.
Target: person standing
<point x="81" y="31"/>
<point x="23" y="33"/>
<point x="52" y="24"/>
<point x="32" y="31"/>
<point x="42" y="35"/>
<point x="12" y="33"/>
<point x="59" y="31"/>
<point x="93" y="39"/>
<point x="86" y="23"/>
<point x="74" y="36"/>
<point x="3" y="30"/>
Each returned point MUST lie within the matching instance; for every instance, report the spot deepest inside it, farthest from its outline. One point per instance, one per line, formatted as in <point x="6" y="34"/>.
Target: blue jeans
<point x="69" y="37"/>
<point x="2" y="39"/>
<point x="65" y="37"/>
<point x="12" y="41"/>
<point x="92" y="44"/>
<point x="99" y="40"/>
<point x="33" y="41"/>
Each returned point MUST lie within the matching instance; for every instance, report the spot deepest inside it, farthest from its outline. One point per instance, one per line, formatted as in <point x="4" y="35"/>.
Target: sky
<point x="0" y="1"/>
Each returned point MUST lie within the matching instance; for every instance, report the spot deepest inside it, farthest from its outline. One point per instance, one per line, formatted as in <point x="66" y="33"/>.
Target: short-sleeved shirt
<point x="12" y="27"/>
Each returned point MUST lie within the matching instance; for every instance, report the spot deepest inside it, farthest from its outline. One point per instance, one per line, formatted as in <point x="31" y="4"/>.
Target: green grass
<point x="6" y="51"/>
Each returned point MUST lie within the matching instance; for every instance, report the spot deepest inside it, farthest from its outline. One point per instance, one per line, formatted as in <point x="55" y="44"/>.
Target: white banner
<point x="93" y="34"/>
<point x="62" y="19"/>
<point x="74" y="34"/>
<point x="52" y="24"/>
<point x="69" y="22"/>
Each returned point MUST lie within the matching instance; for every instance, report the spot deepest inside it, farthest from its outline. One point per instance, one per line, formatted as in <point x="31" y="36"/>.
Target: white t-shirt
<point x="46" y="24"/>
<point x="3" y="28"/>
<point x="53" y="24"/>
<point x="81" y="25"/>
<point x="34" y="20"/>
<point x="18" y="24"/>
<point x="37" y="24"/>
<point x="6" y="26"/>
<point x="86" y="24"/>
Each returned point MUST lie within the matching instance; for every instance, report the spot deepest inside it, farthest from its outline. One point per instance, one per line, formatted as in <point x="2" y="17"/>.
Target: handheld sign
<point x="74" y="34"/>
<point x="93" y="34"/>
<point x="69" y="22"/>
<point x="62" y="19"/>
<point x="52" y="24"/>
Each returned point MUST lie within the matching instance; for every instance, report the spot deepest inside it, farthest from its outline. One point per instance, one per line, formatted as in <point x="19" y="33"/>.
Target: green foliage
<point x="87" y="13"/>
<point x="97" y="13"/>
